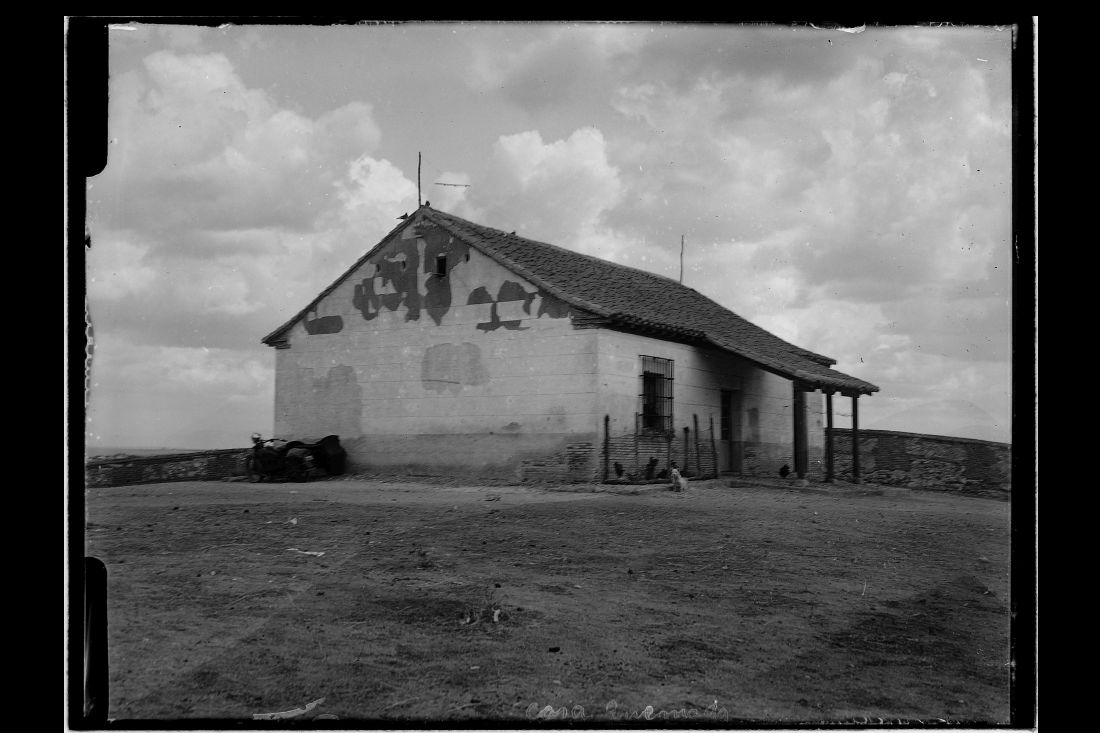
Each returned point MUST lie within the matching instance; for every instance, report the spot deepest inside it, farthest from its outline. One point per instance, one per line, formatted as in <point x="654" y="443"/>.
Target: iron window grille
<point x="655" y="399"/>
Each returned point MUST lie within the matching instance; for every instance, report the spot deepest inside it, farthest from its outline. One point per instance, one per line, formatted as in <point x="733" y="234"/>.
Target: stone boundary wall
<point x="889" y="458"/>
<point x="920" y="461"/>
<point x="210" y="465"/>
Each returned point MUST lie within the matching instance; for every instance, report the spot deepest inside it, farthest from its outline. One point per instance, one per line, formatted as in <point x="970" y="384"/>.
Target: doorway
<point x="730" y="442"/>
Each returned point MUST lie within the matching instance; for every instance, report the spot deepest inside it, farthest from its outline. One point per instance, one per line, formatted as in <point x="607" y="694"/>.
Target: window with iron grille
<point x="655" y="399"/>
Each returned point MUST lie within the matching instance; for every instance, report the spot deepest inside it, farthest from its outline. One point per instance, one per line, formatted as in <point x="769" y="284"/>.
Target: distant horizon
<point x="106" y="449"/>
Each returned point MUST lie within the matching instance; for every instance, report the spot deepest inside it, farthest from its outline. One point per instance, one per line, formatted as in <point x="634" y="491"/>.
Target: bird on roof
<point x="404" y="216"/>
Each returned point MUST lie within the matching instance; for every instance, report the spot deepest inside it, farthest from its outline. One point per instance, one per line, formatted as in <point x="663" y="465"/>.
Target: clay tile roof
<point x="629" y="299"/>
<point x="633" y="299"/>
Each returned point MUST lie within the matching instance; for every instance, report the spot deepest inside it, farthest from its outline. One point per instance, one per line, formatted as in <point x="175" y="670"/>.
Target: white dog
<point x="679" y="483"/>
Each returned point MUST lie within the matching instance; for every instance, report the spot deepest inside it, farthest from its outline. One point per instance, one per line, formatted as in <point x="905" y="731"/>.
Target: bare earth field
<point x="502" y="603"/>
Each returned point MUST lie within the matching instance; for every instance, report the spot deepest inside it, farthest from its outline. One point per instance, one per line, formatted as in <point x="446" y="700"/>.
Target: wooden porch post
<point x="855" y="438"/>
<point x="799" y="409"/>
<point x="829" y="471"/>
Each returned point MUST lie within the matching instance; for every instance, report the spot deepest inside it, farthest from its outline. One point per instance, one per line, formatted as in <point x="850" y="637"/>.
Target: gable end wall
<point x="471" y="371"/>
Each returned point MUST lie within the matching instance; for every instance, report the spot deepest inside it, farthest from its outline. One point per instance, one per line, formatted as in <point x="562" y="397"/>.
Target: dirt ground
<point x="427" y="602"/>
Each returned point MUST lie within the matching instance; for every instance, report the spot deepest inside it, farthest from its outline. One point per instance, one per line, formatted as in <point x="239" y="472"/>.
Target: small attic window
<point x="441" y="265"/>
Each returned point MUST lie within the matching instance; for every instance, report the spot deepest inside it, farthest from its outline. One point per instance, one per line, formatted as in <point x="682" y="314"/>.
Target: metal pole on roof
<point x="418" y="203"/>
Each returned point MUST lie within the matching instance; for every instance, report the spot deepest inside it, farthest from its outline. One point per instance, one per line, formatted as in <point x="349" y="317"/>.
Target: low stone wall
<point x="211" y="465"/>
<point x="919" y="461"/>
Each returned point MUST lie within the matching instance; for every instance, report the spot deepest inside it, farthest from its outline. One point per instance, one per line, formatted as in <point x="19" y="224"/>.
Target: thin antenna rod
<point x="418" y="203"/>
<point x="681" y="259"/>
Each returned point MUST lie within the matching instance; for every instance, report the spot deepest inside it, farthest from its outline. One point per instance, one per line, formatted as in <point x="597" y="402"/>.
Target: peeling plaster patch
<point x="439" y="242"/>
<point x="449" y="368"/>
<point x="323" y="324"/>
<point x="479" y="295"/>
<point x="512" y="299"/>
<point x="552" y="307"/>
<point x="400" y="277"/>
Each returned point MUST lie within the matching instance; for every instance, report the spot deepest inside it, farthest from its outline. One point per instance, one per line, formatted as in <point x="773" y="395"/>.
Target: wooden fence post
<point x="668" y="449"/>
<point x="606" y="447"/>
<point x="698" y="458"/>
<point x="636" y="436"/>
<point x="687" y="449"/>
<point x="713" y="447"/>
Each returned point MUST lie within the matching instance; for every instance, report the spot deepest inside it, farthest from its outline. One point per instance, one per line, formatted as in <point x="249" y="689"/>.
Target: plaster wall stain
<point x="753" y="435"/>
<point x="451" y="367"/>
<point x="333" y="404"/>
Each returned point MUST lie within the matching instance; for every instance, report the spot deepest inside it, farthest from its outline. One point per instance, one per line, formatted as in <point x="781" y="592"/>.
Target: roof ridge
<point x="558" y="247"/>
<point x="798" y="350"/>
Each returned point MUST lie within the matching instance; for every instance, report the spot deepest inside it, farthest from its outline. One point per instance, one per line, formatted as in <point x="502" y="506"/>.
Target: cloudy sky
<point x="850" y="192"/>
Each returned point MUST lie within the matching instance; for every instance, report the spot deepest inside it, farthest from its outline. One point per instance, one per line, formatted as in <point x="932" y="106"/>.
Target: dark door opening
<point x="730" y="445"/>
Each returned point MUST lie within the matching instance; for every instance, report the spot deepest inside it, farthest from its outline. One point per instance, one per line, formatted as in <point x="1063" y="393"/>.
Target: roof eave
<point x="843" y="384"/>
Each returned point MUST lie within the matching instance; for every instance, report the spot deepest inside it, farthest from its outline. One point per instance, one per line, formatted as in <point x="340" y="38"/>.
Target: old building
<point x="454" y="347"/>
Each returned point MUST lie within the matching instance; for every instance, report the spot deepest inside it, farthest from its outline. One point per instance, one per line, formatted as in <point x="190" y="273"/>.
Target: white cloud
<point x="554" y="191"/>
<point x="537" y="66"/>
<point x="221" y="213"/>
<point x="195" y="144"/>
<point x="118" y="270"/>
